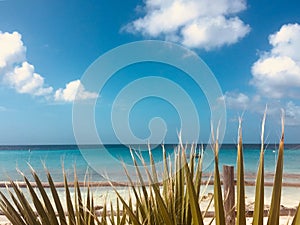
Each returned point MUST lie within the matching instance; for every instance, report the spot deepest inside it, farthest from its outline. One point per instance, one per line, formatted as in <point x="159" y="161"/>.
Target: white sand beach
<point x="289" y="201"/>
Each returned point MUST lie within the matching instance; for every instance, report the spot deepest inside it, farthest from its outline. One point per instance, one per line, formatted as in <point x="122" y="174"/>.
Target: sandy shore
<point x="292" y="180"/>
<point x="284" y="220"/>
<point x="289" y="201"/>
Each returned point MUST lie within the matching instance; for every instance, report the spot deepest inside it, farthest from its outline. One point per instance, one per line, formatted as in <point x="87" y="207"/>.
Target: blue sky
<point x="252" y="48"/>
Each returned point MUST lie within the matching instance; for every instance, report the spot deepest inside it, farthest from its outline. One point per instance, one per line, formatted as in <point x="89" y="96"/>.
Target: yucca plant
<point x="259" y="187"/>
<point x="173" y="199"/>
<point x="40" y="210"/>
<point x="179" y="201"/>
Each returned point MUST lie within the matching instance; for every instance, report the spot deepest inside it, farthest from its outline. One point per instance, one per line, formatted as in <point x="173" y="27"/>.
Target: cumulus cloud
<point x="209" y="33"/>
<point x="12" y="49"/>
<point x="74" y="90"/>
<point x="24" y="80"/>
<point x="20" y="75"/>
<point x="194" y="23"/>
<point x="16" y="72"/>
<point x="276" y="74"/>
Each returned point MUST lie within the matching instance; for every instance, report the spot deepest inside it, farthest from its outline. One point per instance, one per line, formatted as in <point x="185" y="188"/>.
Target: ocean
<point x="105" y="162"/>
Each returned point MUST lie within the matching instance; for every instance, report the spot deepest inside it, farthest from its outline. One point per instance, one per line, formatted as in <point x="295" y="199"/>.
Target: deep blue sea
<point x="105" y="162"/>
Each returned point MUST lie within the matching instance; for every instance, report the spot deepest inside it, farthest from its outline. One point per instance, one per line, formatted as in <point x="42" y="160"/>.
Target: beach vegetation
<point x="174" y="198"/>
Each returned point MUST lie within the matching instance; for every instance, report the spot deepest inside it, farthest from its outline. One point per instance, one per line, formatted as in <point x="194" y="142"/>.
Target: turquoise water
<point x="108" y="160"/>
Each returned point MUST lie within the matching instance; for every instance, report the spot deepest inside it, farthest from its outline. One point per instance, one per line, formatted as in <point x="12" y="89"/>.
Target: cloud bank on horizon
<point x="202" y="24"/>
<point x="20" y="75"/>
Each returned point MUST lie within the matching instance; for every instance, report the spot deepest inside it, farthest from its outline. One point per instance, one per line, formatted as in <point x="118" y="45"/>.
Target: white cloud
<point x="236" y="100"/>
<point x="20" y="75"/>
<point x="12" y="49"/>
<point x="244" y="102"/>
<point x="15" y="70"/>
<point x="195" y="23"/>
<point x="276" y="74"/>
<point x="209" y="33"/>
<point x="74" y="90"/>
<point x="24" y="80"/>
<point x="292" y="114"/>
